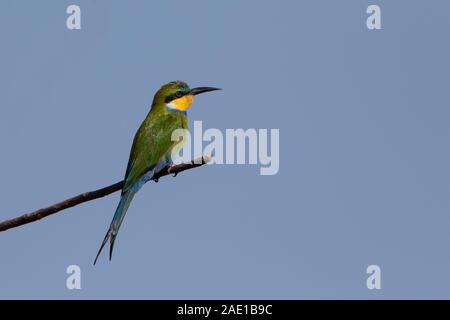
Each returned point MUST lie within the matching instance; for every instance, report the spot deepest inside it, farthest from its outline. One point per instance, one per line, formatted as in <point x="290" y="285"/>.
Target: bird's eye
<point x="178" y="94"/>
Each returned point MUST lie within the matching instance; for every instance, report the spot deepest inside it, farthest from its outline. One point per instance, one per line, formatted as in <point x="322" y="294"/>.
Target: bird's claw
<point x="175" y="174"/>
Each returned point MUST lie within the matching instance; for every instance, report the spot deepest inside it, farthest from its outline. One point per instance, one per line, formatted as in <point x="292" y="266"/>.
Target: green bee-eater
<point x="153" y="145"/>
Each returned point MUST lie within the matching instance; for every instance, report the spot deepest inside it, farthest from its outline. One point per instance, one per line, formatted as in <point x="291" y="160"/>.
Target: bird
<point x="152" y="146"/>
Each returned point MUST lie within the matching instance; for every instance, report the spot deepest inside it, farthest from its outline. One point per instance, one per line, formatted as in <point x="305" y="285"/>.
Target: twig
<point x="92" y="195"/>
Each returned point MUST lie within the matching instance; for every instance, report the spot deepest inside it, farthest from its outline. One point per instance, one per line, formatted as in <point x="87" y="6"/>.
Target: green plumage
<point x="152" y="143"/>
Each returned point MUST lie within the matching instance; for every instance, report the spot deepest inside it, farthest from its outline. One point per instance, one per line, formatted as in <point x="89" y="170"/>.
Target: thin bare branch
<point x="92" y="195"/>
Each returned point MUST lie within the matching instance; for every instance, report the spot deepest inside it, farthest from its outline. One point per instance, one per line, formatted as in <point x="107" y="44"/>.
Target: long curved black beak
<point x="199" y="90"/>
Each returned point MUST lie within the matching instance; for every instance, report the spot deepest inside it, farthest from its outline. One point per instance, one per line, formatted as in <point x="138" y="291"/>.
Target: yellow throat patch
<point x="182" y="103"/>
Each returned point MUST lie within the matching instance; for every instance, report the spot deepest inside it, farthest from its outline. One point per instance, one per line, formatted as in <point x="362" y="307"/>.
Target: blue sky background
<point x="364" y="160"/>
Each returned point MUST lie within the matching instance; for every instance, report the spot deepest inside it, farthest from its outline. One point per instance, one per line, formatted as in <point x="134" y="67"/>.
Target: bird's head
<point x="177" y="95"/>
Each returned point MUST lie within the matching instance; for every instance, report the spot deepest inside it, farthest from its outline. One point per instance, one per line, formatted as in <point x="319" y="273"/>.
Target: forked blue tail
<point x="121" y="211"/>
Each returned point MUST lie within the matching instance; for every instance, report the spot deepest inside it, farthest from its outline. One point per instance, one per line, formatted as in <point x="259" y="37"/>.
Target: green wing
<point x="151" y="143"/>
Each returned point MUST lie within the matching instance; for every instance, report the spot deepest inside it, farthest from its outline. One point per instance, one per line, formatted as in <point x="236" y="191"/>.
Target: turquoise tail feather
<point x="121" y="211"/>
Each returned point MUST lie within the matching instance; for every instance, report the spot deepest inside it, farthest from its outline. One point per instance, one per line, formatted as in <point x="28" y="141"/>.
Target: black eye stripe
<point x="174" y="96"/>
